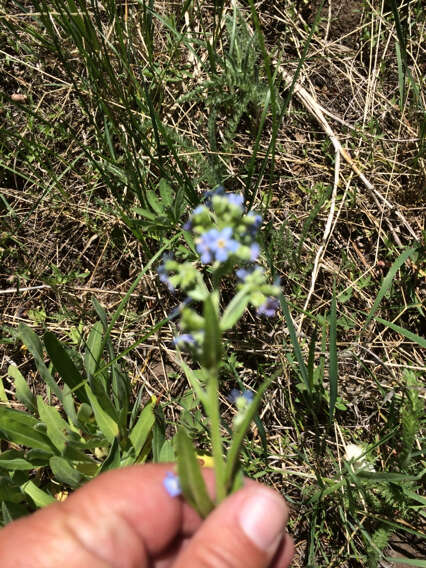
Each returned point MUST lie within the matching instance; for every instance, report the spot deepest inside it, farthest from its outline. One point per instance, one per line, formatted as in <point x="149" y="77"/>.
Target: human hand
<point x="126" y="519"/>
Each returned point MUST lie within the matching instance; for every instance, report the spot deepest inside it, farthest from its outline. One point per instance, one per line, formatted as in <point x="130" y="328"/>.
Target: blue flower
<point x="223" y="245"/>
<point x="184" y="340"/>
<point x="163" y="272"/>
<point x="253" y="227"/>
<point x="208" y="196"/>
<point x="172" y="485"/>
<point x="257" y="219"/>
<point x="269" y="307"/>
<point x="242" y="273"/>
<point x="254" y="251"/>
<point x="188" y="225"/>
<point x="242" y="401"/>
<point x="216" y="244"/>
<point x="179" y="308"/>
<point x="197" y="211"/>
<point x="235" y="199"/>
<point x="235" y="394"/>
<point x="204" y="245"/>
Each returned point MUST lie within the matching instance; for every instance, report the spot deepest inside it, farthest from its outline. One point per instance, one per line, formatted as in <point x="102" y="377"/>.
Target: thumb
<point x="245" y="531"/>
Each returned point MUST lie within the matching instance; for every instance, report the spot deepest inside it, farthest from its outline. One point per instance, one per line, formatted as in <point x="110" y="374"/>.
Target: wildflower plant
<point x="225" y="238"/>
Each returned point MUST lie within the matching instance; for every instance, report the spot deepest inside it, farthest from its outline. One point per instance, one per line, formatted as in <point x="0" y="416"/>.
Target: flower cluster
<point x="217" y="245"/>
<point x="226" y="238"/>
<point x="222" y="230"/>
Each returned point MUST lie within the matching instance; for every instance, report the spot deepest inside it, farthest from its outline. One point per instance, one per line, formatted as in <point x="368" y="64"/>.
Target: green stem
<point x="212" y="409"/>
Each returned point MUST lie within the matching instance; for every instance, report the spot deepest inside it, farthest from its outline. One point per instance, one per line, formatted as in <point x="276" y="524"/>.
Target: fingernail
<point x="263" y="518"/>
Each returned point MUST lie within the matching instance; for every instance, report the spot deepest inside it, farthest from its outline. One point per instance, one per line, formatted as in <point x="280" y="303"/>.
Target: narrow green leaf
<point x="120" y="394"/>
<point x="94" y="349"/>
<point x="193" y="381"/>
<point x="403" y="528"/>
<point x="408" y="334"/>
<point x="311" y="357"/>
<point x="142" y="428"/>
<point x="107" y="425"/>
<point x="3" y="395"/>
<point x="31" y="340"/>
<point x="102" y="315"/>
<point x="320" y="495"/>
<point x="389" y="476"/>
<point x="136" y="408"/>
<point x="419" y="498"/>
<point x="296" y="347"/>
<point x="14" y="460"/>
<point x="190" y="477"/>
<point x="7" y="515"/>
<point x="64" y="365"/>
<point x="64" y="472"/>
<point x="401" y="76"/>
<point x="40" y="497"/>
<point x="154" y="203"/>
<point x="167" y="452"/>
<point x="387" y="281"/>
<point x="113" y="459"/>
<point x="9" y="490"/>
<point x="234" y="310"/>
<point x="166" y="192"/>
<point x="407" y="561"/>
<point x="19" y="427"/>
<point x="333" y="366"/>
<point x="68" y="405"/>
<point x="56" y="426"/>
<point x="38" y="457"/>
<point x="22" y="390"/>
<point x="145" y="213"/>
<point x="231" y="468"/>
<point x="212" y="350"/>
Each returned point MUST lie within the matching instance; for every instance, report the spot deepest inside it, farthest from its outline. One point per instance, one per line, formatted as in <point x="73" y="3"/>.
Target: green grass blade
<point x="64" y="365"/>
<point x="57" y="428"/>
<point x="142" y="429"/>
<point x="190" y="477"/>
<point x="107" y="425"/>
<point x="14" y="461"/>
<point x="212" y="348"/>
<point x="407" y="561"/>
<point x="22" y="390"/>
<point x="32" y="341"/>
<point x="94" y="349"/>
<point x="333" y="365"/>
<point x="64" y="472"/>
<point x="239" y="434"/>
<point x="19" y="428"/>
<point x="387" y="281"/>
<point x="401" y="52"/>
<point x="311" y="357"/>
<point x="407" y="334"/>
<point x="113" y="459"/>
<point x="295" y="344"/>
<point x="40" y="497"/>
